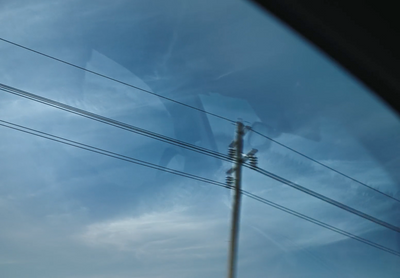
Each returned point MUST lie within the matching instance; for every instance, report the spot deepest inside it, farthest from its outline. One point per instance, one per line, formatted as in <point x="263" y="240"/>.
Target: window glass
<point x="185" y="71"/>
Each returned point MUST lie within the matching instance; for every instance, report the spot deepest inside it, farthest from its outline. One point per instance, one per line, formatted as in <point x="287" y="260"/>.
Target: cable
<point x="326" y="166"/>
<point x="212" y="114"/>
<point x="183" y="145"/>
<point x="112" y="122"/>
<point x="115" y="80"/>
<point x="319" y="223"/>
<point x="195" y="108"/>
<point x="326" y="199"/>
<point x="106" y="153"/>
<point x="194" y="177"/>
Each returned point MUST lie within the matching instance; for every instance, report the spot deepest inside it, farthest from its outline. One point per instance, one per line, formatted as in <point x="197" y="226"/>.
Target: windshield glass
<point x="116" y="119"/>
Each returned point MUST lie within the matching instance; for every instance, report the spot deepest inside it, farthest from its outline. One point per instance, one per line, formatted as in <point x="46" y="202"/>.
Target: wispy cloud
<point x="167" y="233"/>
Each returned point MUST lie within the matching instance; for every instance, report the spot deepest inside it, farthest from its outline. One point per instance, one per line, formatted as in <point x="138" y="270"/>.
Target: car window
<point x="116" y="119"/>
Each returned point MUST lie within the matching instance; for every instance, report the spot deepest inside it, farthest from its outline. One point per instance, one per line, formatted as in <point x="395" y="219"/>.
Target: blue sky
<point x="70" y="213"/>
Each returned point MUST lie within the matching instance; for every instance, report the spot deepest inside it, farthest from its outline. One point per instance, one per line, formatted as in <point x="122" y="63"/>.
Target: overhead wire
<point x="112" y="122"/>
<point x="319" y="223"/>
<point x="200" y="110"/>
<point x="326" y="166"/>
<point x="116" y="80"/>
<point x="104" y="152"/>
<point x="327" y="199"/>
<point x="205" y="151"/>
<point x="194" y="177"/>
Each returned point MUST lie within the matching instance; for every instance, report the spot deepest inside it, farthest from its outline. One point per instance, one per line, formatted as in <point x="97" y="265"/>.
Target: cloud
<point x="159" y="234"/>
<point x="70" y="213"/>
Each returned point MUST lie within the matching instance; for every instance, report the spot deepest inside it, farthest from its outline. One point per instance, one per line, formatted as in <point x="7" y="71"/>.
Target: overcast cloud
<point x="69" y="213"/>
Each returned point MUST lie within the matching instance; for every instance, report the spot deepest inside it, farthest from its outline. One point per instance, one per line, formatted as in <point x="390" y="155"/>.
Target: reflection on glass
<point x="67" y="212"/>
<point x="259" y="142"/>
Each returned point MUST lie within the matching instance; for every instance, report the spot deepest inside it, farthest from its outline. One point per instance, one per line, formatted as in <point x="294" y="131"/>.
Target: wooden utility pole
<point x="237" y="169"/>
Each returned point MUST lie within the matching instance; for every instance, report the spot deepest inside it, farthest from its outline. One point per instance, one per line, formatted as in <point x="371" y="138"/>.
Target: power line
<point x="327" y="200"/>
<point x="112" y="122"/>
<point x="182" y="144"/>
<point x="320" y="223"/>
<point x="326" y="166"/>
<point x="105" y="152"/>
<point x="194" y="177"/>
<point x="198" y="109"/>
<point x="115" y="80"/>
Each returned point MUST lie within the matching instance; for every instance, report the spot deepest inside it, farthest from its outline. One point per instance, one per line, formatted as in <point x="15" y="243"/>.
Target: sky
<point x="70" y="213"/>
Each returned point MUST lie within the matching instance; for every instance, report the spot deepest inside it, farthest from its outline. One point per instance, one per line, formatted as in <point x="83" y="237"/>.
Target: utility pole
<point x="237" y="168"/>
<point x="236" y="153"/>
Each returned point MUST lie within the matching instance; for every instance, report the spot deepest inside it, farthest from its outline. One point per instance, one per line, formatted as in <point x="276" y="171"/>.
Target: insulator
<point x="229" y="180"/>
<point x="253" y="161"/>
<point x="232" y="153"/>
